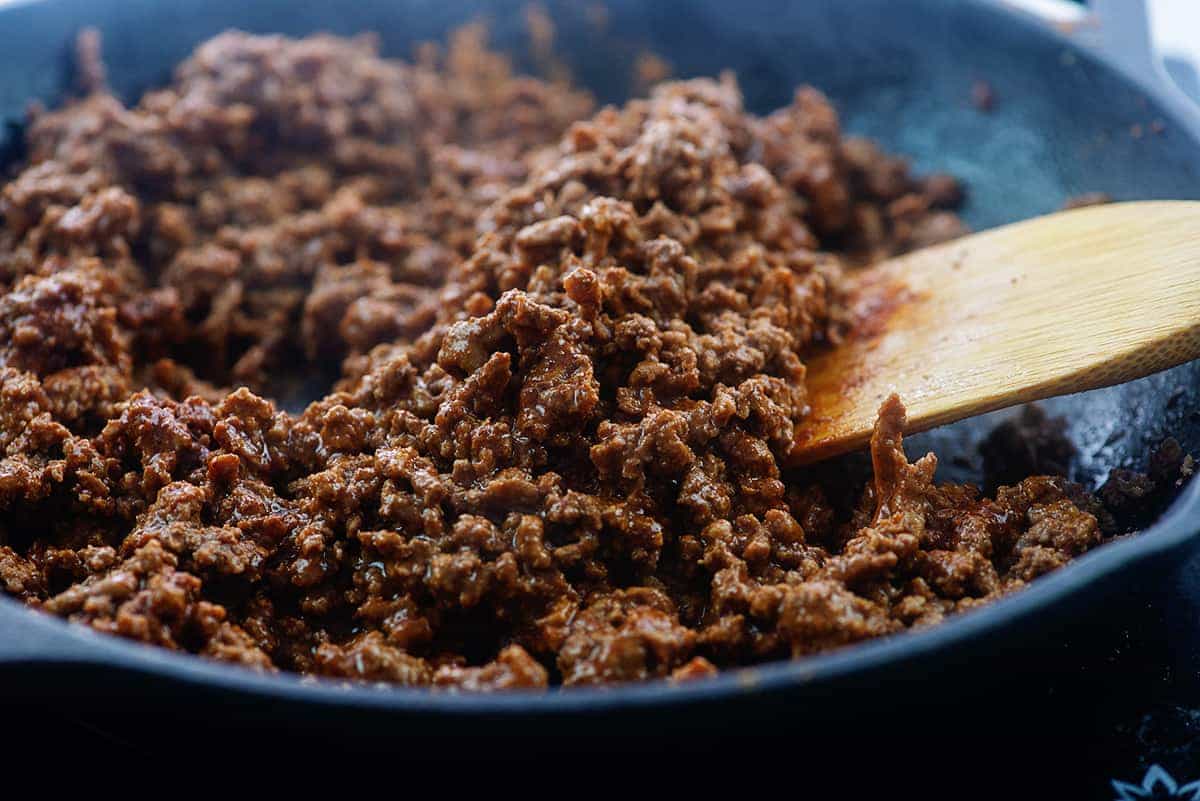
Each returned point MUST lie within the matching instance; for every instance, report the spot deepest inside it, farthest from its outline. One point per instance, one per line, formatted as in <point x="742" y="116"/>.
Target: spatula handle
<point x="1065" y="303"/>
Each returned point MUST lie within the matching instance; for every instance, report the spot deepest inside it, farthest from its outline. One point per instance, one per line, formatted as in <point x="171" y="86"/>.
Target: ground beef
<point x="570" y="348"/>
<point x="1032" y="443"/>
<point x="1087" y="199"/>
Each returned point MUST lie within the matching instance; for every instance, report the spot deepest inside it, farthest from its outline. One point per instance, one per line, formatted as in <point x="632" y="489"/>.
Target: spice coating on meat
<point x="572" y="354"/>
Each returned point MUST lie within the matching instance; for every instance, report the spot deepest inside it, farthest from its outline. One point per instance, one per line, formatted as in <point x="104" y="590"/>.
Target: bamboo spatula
<point x="1072" y="301"/>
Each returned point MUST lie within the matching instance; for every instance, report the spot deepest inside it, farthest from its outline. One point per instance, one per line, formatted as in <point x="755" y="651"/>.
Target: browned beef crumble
<point x="571" y="346"/>
<point x="1087" y="199"/>
<point x="1031" y="443"/>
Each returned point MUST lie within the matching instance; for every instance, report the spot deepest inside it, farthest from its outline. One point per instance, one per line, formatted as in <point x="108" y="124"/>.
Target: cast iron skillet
<point x="900" y="72"/>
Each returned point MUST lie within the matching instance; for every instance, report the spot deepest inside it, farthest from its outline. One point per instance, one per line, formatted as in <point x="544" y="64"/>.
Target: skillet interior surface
<point x="899" y="72"/>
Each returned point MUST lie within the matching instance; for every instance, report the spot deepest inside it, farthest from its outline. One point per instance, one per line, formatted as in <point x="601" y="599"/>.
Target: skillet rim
<point x="59" y="644"/>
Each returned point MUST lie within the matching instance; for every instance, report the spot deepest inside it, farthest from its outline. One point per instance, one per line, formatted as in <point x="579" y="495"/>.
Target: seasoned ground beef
<point x="568" y="347"/>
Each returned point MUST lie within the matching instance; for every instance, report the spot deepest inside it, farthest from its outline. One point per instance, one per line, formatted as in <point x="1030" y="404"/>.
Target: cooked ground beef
<point x="570" y="348"/>
<point x="1087" y="199"/>
<point x="1029" y="444"/>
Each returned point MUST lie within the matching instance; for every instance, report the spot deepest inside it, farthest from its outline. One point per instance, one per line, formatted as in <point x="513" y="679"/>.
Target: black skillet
<point x="901" y="72"/>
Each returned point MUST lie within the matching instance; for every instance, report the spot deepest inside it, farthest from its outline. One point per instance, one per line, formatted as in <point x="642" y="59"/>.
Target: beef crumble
<point x="571" y="348"/>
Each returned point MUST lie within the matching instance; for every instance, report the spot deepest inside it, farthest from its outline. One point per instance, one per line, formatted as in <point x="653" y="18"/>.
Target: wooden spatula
<point x="1072" y="301"/>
